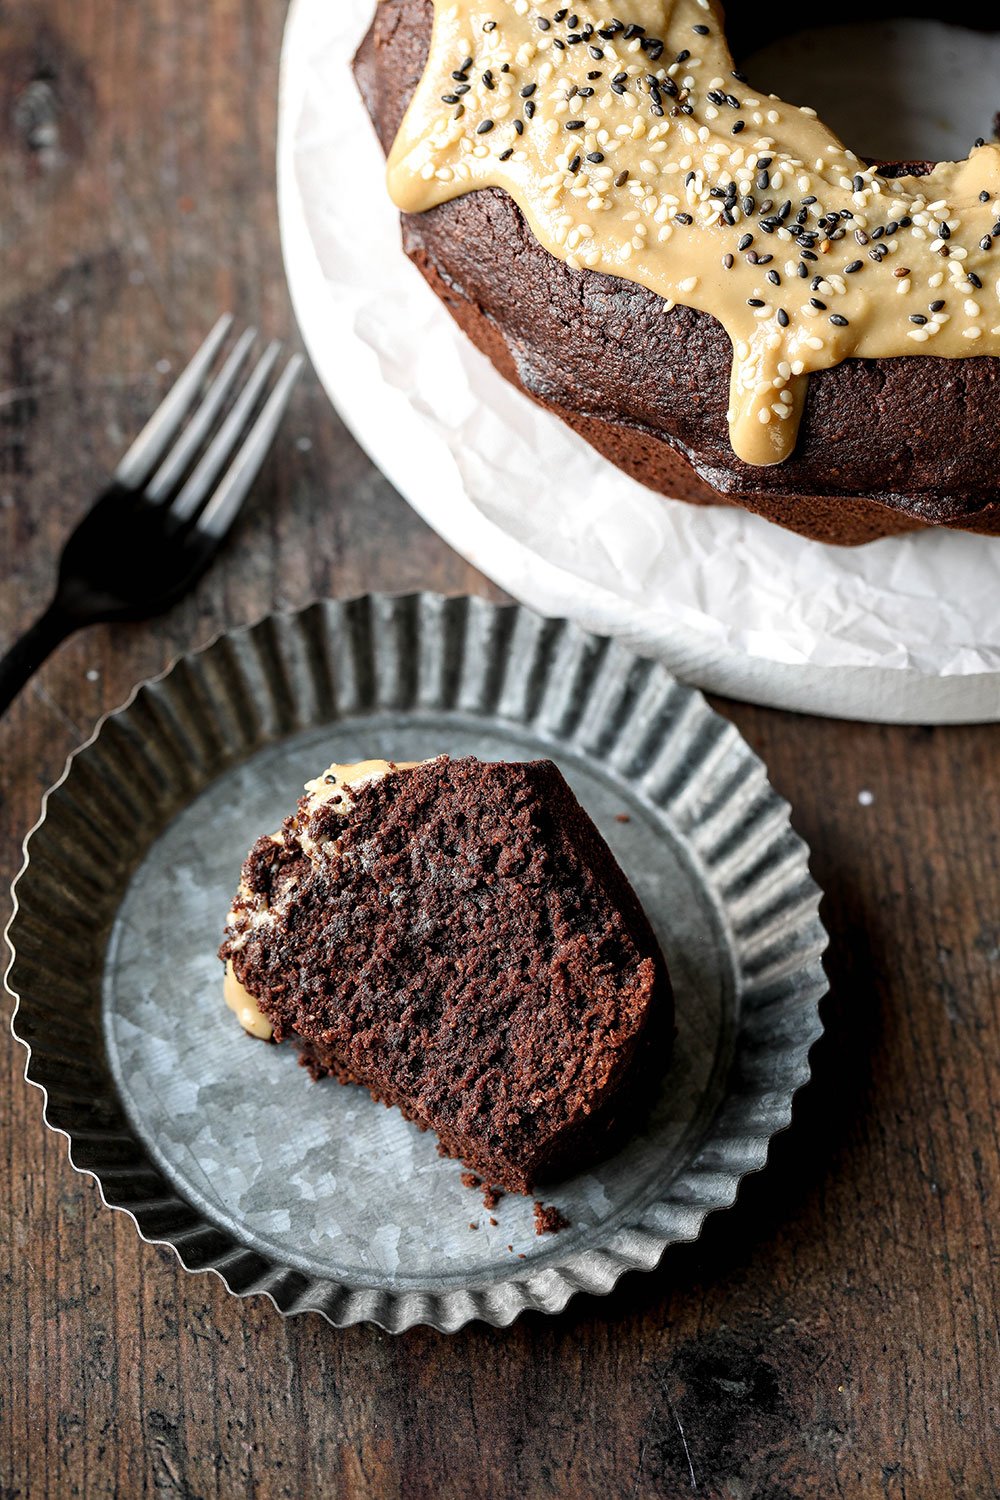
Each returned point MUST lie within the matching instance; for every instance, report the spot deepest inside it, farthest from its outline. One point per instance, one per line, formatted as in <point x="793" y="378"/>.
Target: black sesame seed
<point x="918" y="318"/>
<point x="783" y="317"/>
<point x="728" y="261"/>
<point x="755" y="302"/>
<point x="856" y="265"/>
<point x="838" y="321"/>
<point x="971" y="276"/>
<point x="745" y="242"/>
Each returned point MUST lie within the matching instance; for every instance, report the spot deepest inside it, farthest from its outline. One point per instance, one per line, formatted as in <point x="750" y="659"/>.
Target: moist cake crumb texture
<point x="458" y="938"/>
<point x="548" y="1219"/>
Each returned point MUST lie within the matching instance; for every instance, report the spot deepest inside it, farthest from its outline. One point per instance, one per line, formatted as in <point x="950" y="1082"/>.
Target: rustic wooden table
<point x="836" y="1333"/>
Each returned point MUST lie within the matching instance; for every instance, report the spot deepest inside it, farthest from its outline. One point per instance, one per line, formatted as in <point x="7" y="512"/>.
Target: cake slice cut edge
<point x="456" y="936"/>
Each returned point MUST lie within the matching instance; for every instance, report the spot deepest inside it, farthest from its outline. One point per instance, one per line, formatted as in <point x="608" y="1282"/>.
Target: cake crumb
<point x="511" y="1249"/>
<point x="623" y="817"/>
<point x="549" y="1220"/>
<point x="491" y="1196"/>
<point x="470" y="1180"/>
<point x="493" y="1221"/>
<point x="473" y="1226"/>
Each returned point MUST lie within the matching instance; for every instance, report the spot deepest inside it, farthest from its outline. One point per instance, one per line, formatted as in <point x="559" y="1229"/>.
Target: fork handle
<point x="35" y="646"/>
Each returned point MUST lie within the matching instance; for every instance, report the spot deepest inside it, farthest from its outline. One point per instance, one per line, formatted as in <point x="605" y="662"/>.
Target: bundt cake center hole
<point x="904" y="89"/>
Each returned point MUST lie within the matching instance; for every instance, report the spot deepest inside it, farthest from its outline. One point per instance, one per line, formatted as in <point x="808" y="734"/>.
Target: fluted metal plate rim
<point x="272" y="678"/>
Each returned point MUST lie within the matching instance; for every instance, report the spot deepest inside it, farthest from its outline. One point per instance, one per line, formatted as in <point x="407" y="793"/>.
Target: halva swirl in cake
<point x="457" y="937"/>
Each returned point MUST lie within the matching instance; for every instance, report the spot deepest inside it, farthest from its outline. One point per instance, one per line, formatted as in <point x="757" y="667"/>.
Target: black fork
<point x="170" y="504"/>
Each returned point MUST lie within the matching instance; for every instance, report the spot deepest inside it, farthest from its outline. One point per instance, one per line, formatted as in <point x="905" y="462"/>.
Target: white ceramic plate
<point x="904" y="630"/>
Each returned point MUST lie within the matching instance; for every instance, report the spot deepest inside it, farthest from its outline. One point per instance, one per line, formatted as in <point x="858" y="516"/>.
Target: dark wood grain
<point x="836" y="1334"/>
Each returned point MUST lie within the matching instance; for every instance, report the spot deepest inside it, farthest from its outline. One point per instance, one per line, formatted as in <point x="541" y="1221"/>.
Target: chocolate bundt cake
<point x="699" y="278"/>
<point x="457" y="937"/>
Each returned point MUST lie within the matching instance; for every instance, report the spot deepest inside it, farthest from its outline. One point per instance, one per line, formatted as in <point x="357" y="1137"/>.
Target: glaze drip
<point x="633" y="147"/>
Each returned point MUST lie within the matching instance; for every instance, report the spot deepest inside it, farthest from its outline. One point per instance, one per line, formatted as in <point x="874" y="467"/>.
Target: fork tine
<point x="177" y="461"/>
<point x="151" y="444"/>
<point x="225" y="505"/>
<point x="224" y="444"/>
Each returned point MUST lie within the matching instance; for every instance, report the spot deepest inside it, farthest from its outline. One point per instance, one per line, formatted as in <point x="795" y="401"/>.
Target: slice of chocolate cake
<point x="456" y="936"/>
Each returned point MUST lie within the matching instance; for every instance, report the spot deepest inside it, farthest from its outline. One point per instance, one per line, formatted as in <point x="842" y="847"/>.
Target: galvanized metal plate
<point x="314" y="1194"/>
